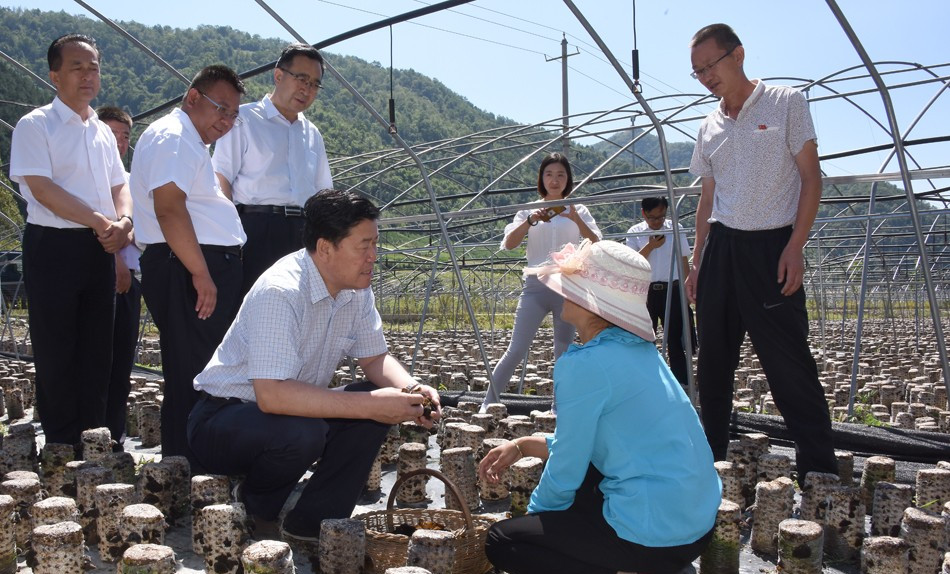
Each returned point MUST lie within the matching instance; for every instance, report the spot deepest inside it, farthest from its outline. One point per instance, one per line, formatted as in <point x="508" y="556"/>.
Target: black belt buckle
<point x="293" y="211"/>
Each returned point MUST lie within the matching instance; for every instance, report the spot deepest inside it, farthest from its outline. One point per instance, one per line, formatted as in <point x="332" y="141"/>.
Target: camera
<point x="551" y="212"/>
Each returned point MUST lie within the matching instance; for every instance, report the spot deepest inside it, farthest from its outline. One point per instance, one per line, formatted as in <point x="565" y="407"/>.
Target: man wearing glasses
<point x="649" y="238"/>
<point x="272" y="163"/>
<point x="757" y="158"/>
<point x="191" y="266"/>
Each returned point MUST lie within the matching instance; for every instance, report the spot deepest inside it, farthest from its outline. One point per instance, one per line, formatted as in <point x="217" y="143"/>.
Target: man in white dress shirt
<point x="78" y="216"/>
<point x="659" y="252"/>
<point x="274" y="161"/>
<point x="191" y="264"/>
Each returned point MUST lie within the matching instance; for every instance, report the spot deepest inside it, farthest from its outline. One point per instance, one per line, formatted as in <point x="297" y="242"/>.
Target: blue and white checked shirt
<point x="289" y="327"/>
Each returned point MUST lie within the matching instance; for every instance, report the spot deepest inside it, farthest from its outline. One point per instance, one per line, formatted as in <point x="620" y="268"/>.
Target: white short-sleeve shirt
<point x="289" y="327"/>
<point x="271" y="161"/>
<point x="549" y="236"/>
<point x="79" y="156"/>
<point x="171" y="151"/>
<point x="752" y="158"/>
<point x="659" y="258"/>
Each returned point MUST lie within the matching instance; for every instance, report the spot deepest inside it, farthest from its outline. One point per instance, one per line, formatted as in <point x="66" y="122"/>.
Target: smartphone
<point x="658" y="237"/>
<point x="551" y="212"/>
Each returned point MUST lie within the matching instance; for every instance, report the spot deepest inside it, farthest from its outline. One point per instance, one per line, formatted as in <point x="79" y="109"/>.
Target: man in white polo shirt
<point x="659" y="252"/>
<point x="191" y="264"/>
<point x="757" y="156"/>
<point x="78" y="215"/>
<point x="274" y="161"/>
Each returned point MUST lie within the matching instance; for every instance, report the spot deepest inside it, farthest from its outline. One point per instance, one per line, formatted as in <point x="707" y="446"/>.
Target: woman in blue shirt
<point x="629" y="483"/>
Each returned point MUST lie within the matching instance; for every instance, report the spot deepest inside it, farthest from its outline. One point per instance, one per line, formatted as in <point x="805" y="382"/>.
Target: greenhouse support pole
<point x="908" y="186"/>
<point x="443" y="230"/>
<point x="668" y="176"/>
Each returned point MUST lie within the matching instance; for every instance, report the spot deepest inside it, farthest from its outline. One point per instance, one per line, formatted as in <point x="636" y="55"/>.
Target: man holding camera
<point x="664" y="281"/>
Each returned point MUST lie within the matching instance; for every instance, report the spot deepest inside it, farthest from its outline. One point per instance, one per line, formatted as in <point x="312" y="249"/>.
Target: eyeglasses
<point x="223" y="111"/>
<point x="696" y="74"/>
<point x="304" y="79"/>
<point x="655" y="217"/>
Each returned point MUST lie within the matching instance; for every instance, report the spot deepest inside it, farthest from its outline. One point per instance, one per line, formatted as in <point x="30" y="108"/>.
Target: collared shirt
<point x="271" y="161"/>
<point x="289" y="327"/>
<point x="79" y="156"/>
<point x="638" y="428"/>
<point x="549" y="236"/>
<point x="171" y="151"/>
<point x="659" y="258"/>
<point x="752" y="158"/>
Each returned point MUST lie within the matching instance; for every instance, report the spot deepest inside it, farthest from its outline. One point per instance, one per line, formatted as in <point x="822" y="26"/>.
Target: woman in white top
<point x="547" y="232"/>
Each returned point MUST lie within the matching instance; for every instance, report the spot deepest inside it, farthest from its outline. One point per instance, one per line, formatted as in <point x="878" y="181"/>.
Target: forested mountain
<point x="132" y="80"/>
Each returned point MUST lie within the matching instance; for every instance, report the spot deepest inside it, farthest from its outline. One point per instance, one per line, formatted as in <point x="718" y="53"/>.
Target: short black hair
<point x="651" y="203"/>
<point x="331" y="213"/>
<point x="297" y="49"/>
<point x="211" y="75"/>
<point x="723" y="34"/>
<point x="54" y="55"/>
<point x="115" y="114"/>
<point x="548" y="160"/>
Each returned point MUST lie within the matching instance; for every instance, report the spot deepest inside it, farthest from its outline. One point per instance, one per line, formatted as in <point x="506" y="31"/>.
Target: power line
<point x="446" y="31"/>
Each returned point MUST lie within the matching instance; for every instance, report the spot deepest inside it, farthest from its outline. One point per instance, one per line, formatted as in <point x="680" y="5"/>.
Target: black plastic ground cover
<point x="862" y="440"/>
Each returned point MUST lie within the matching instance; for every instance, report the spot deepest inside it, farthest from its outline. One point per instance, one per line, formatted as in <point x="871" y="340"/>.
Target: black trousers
<point x="737" y="293"/>
<point x="187" y="342"/>
<point x="270" y="236"/>
<point x="672" y="332"/>
<point x="579" y="541"/>
<point x="125" y="336"/>
<point x="70" y="287"/>
<point x="274" y="451"/>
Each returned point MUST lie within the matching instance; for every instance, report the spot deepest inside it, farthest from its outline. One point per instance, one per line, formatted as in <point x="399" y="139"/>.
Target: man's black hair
<point x="651" y="203"/>
<point x="114" y="113"/>
<point x="725" y="37"/>
<point x="54" y="55"/>
<point x="296" y="49"/>
<point x="208" y="76"/>
<point x="331" y="213"/>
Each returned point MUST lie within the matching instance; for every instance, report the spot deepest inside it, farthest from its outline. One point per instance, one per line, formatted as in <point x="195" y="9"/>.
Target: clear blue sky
<point x="493" y="52"/>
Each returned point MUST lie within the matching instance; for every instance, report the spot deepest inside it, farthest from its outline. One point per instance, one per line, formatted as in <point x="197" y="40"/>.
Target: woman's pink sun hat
<point x="606" y="278"/>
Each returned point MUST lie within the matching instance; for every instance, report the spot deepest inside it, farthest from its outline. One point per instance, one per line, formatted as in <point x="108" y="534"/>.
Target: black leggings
<point x="579" y="540"/>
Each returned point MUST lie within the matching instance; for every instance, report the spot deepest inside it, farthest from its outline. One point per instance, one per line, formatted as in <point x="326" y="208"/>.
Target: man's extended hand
<point x="207" y="295"/>
<point x="691" y="284"/>
<point x="392" y="406"/>
<point x="435" y="407"/>
<point x="791" y="269"/>
<point x="123" y="276"/>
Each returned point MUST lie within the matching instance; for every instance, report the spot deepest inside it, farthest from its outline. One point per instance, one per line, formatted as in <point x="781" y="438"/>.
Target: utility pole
<point x="565" y="142"/>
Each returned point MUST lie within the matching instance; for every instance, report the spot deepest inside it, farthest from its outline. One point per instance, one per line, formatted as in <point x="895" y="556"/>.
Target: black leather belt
<point x="214" y="399"/>
<point x="234" y="250"/>
<point x="661" y="285"/>
<point x="285" y="210"/>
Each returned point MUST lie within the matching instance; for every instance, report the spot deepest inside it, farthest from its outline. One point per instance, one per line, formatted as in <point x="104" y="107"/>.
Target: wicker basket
<point x="388" y="550"/>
